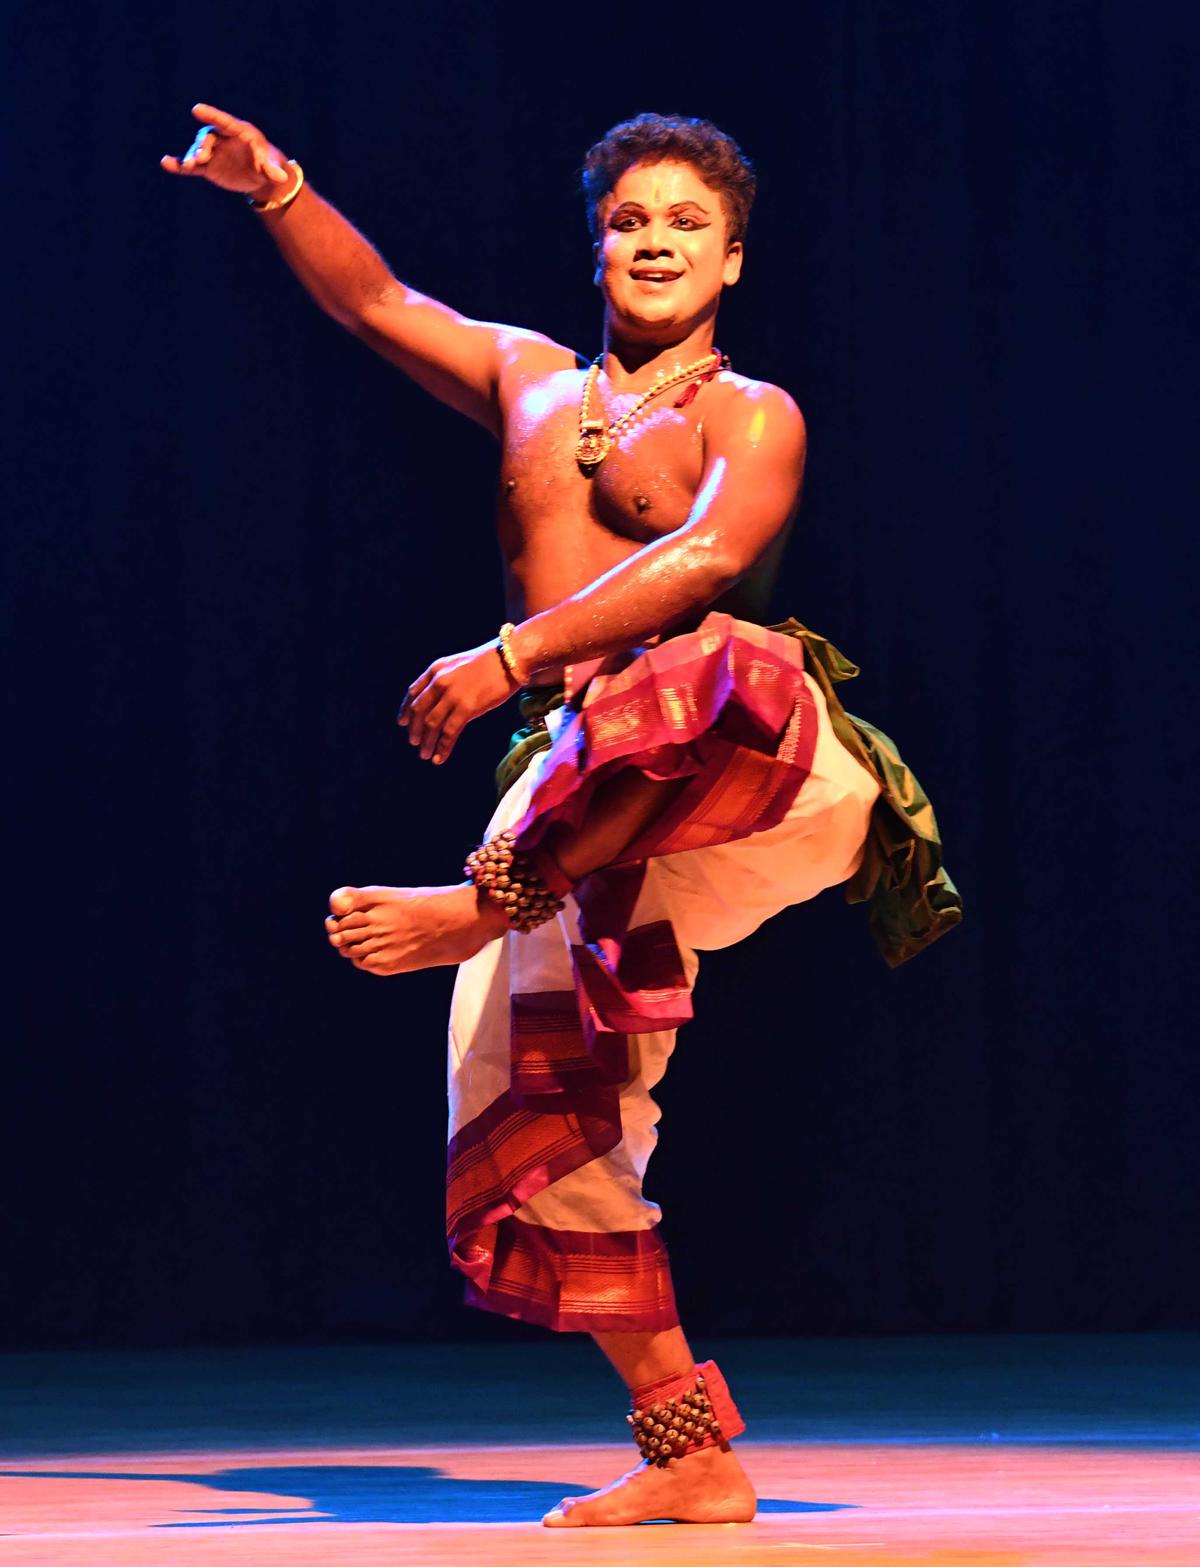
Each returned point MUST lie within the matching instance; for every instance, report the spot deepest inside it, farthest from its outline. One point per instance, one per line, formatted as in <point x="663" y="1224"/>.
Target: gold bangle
<point x="507" y="657"/>
<point x="281" y="201"/>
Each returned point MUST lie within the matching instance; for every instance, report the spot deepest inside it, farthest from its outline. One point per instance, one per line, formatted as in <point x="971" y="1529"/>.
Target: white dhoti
<point x="554" y="1049"/>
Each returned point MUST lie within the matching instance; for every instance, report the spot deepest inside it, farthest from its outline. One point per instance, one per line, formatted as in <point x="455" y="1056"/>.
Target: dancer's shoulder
<point x="757" y="412"/>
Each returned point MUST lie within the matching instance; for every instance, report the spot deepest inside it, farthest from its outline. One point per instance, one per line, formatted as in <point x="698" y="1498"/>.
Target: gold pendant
<point x="593" y="445"/>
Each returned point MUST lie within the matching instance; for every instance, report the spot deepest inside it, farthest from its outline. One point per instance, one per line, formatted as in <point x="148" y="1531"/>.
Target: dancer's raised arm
<point x="456" y="359"/>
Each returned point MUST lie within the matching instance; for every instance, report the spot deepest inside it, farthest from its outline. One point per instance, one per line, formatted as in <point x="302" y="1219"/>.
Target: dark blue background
<point x="234" y="537"/>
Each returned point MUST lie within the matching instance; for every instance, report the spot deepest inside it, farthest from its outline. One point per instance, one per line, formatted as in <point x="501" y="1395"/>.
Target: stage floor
<point x="983" y="1451"/>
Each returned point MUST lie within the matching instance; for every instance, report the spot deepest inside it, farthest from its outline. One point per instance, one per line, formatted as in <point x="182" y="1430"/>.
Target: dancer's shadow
<point x="377" y="1493"/>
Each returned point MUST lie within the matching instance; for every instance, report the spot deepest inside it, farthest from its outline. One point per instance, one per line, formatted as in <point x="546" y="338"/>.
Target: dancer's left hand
<point x="452" y="691"/>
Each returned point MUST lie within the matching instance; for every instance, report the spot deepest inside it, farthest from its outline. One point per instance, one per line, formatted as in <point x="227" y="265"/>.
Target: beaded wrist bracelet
<point x="676" y="1427"/>
<point x="510" y="880"/>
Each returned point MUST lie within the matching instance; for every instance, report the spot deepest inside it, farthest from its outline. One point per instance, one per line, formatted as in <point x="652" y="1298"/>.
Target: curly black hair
<point x="672" y="138"/>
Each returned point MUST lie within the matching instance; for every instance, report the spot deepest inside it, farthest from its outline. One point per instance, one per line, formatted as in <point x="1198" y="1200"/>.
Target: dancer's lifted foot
<point x="709" y="1486"/>
<point x="394" y="930"/>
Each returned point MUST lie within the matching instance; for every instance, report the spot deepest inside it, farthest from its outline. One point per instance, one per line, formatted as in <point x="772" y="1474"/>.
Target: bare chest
<point x="643" y="488"/>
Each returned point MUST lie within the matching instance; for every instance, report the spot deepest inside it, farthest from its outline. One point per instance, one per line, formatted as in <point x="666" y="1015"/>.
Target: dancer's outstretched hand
<point x="452" y="691"/>
<point x="232" y="154"/>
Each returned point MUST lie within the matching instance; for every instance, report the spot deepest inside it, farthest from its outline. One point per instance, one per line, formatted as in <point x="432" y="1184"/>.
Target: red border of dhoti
<point x="574" y="1281"/>
<point x="726" y="709"/>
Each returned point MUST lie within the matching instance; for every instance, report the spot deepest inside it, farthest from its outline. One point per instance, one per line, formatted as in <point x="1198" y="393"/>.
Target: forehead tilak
<point x="660" y="182"/>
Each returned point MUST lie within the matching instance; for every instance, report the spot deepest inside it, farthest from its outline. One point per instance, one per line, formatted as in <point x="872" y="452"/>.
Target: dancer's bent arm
<point x="750" y="488"/>
<point x="755" y="451"/>
<point x="454" y="358"/>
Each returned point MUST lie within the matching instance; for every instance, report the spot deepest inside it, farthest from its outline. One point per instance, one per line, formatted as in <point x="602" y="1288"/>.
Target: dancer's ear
<point x="733" y="264"/>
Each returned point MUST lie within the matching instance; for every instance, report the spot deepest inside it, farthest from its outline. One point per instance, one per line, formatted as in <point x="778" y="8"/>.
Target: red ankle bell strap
<point x="682" y="1414"/>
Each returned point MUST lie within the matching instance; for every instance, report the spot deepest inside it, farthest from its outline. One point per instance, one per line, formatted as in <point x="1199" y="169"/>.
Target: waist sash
<point x="912" y="900"/>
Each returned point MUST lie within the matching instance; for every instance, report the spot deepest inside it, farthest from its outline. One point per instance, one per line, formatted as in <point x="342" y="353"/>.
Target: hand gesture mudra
<point x="232" y="154"/>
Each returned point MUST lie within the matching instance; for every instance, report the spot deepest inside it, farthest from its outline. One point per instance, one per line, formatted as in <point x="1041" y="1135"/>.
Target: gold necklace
<point x="597" y="438"/>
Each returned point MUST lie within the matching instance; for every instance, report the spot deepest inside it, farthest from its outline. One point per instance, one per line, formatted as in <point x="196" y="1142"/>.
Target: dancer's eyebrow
<point x="632" y="208"/>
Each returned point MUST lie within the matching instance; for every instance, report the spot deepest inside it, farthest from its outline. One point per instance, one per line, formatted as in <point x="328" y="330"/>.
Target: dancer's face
<point x="663" y="256"/>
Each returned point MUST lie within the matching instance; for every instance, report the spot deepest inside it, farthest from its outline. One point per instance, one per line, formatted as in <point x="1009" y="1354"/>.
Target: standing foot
<point x="394" y="930"/>
<point x="705" y="1487"/>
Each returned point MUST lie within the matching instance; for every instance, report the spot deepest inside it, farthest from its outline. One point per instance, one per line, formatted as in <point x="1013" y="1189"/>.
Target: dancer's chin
<point x="665" y="328"/>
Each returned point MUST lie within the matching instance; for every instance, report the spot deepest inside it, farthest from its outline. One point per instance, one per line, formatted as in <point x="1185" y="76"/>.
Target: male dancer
<point x="682" y="778"/>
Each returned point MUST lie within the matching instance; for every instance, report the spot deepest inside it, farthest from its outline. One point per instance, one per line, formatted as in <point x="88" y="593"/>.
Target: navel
<point x="642" y="502"/>
<point x="509" y="486"/>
